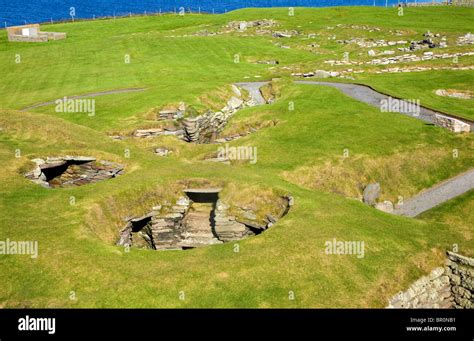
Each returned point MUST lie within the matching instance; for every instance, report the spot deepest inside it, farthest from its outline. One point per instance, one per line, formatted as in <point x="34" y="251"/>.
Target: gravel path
<point x="431" y="197"/>
<point x="367" y="95"/>
<point x="438" y="194"/>
<point x="94" y="94"/>
<point x="254" y="90"/>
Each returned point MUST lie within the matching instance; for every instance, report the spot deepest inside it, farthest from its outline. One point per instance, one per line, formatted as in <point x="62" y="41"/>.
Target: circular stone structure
<point x="200" y="218"/>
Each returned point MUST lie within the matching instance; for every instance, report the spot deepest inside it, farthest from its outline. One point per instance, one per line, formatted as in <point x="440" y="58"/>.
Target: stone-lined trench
<point x="67" y="171"/>
<point x="206" y="127"/>
<point x="197" y="219"/>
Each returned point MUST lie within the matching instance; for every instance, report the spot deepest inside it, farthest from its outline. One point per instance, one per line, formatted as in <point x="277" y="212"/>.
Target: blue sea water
<point x="17" y="12"/>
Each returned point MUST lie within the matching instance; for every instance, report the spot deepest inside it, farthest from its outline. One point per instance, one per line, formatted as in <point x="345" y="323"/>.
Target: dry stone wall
<point x="452" y="124"/>
<point x="445" y="287"/>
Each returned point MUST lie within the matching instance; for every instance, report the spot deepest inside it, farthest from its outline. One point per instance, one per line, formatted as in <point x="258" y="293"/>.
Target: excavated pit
<point x="197" y="219"/>
<point x="72" y="171"/>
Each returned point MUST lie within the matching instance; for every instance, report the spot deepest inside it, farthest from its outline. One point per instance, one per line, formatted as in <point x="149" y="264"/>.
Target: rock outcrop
<point x="371" y="194"/>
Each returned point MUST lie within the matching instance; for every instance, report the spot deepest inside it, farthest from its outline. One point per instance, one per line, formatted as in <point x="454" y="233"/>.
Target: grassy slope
<point x="457" y="212"/>
<point x="290" y="256"/>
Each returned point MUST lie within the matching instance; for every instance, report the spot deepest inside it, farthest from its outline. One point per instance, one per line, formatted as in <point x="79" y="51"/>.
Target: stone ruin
<point x="161" y="151"/>
<point x="198" y="219"/>
<point x="460" y="94"/>
<point x="32" y="33"/>
<point x="203" y="128"/>
<point x="451" y="286"/>
<point x="72" y="171"/>
<point x="206" y="127"/>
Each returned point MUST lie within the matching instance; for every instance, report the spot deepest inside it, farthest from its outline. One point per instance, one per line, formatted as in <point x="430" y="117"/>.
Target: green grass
<point x="76" y="243"/>
<point x="457" y="212"/>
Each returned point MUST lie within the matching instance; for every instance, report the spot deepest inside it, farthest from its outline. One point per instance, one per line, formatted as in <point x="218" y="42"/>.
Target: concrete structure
<point x="32" y="33"/>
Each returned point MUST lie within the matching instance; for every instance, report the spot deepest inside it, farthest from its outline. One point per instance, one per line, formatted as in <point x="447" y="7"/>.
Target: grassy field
<point x="300" y="153"/>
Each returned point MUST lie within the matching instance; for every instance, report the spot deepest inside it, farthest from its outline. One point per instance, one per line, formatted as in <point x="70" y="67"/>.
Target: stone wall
<point x="452" y="124"/>
<point x="445" y="287"/>
<point x="204" y="128"/>
<point x="432" y="291"/>
<point x="172" y="227"/>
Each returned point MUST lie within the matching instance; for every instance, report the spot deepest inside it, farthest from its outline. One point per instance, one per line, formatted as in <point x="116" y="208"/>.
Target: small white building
<point x="32" y="33"/>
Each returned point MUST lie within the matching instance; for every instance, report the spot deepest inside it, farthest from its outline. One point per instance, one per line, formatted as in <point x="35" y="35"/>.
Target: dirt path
<point x="94" y="94"/>
<point x="254" y="90"/>
<point x="438" y="194"/>
<point x="368" y="95"/>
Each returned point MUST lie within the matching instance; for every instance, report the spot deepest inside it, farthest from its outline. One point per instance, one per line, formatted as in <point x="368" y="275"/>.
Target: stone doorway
<point x="199" y="224"/>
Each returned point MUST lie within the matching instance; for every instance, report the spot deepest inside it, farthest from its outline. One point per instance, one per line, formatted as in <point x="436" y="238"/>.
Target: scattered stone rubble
<point x="162" y="151"/>
<point x="172" y="114"/>
<point x="465" y="40"/>
<point x="285" y="34"/>
<point x="445" y="287"/>
<point x="346" y="73"/>
<point x="424" y="68"/>
<point x="367" y="43"/>
<point x="371" y="194"/>
<point x="188" y="225"/>
<point x="405" y="58"/>
<point x="154" y="132"/>
<point x="356" y="27"/>
<point x="262" y="27"/>
<point x="72" y="171"/>
<point x="244" y="25"/>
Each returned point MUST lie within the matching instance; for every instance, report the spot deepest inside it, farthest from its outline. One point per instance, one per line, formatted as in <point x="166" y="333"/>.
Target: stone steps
<point x="198" y="226"/>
